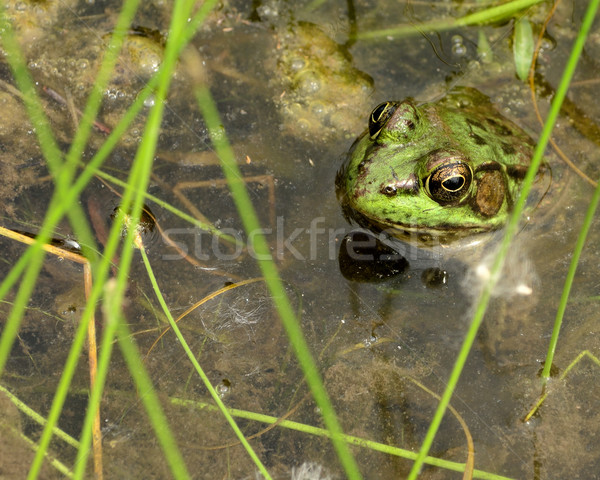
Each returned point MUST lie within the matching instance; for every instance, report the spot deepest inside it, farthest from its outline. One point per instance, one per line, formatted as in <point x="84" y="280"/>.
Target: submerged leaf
<point x="523" y="44"/>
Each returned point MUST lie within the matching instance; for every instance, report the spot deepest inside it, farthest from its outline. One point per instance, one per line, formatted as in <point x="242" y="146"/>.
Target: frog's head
<point x="407" y="175"/>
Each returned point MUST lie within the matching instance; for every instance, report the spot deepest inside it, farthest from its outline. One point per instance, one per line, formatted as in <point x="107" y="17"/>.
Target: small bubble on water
<point x="297" y="64"/>
<point x="110" y="94"/>
<point x="523" y="289"/>
<point x="223" y="388"/>
<point x="149" y="102"/>
<point x="309" y="83"/>
<point x="367" y="342"/>
<point x="482" y="272"/>
<point x="458" y="47"/>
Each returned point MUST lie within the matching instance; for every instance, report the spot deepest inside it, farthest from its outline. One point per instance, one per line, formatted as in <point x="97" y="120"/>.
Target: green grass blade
<point x="353" y="440"/>
<point x="492" y="14"/>
<point x="108" y="335"/>
<point x="10" y="333"/>
<point x="36" y="417"/>
<point x="18" y="65"/>
<point x="53" y="461"/>
<point x="63" y="177"/>
<point x="272" y="278"/>
<point x="167" y="206"/>
<point x="53" y="157"/>
<point x="132" y="203"/>
<point x="109" y="59"/>
<point x="61" y="391"/>
<point x="92" y="167"/>
<point x="564" y="298"/>
<point x="39" y="120"/>
<point x="511" y="229"/>
<point x="144" y="385"/>
<point x="200" y="371"/>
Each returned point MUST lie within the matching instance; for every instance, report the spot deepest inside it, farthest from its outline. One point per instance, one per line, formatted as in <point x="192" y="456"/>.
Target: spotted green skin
<point x="383" y="182"/>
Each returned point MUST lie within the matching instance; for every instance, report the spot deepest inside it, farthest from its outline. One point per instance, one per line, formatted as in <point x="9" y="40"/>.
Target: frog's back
<point x="477" y="124"/>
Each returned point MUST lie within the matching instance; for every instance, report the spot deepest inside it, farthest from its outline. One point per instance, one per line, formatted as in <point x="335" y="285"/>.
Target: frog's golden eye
<point x="449" y="183"/>
<point x="379" y="117"/>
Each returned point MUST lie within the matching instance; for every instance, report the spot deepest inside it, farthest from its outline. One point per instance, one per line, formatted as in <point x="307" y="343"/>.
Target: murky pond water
<point x="294" y="89"/>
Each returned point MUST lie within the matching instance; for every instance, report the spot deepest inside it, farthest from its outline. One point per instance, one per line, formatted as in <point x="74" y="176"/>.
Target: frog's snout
<point x="408" y="185"/>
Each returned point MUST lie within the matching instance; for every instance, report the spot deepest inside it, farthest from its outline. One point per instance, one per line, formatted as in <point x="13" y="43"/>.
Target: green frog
<point x="435" y="172"/>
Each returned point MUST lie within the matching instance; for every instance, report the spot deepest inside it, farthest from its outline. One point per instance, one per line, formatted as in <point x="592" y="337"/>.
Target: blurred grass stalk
<point x="564" y="298"/>
<point x="351" y="439"/>
<point x="32" y="260"/>
<point x="131" y="204"/>
<point x="511" y="230"/>
<point x="199" y="370"/>
<point x="65" y="201"/>
<point x="269" y="270"/>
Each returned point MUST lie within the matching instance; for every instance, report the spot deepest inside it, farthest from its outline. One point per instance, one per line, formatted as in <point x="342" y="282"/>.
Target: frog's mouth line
<point x="425" y="236"/>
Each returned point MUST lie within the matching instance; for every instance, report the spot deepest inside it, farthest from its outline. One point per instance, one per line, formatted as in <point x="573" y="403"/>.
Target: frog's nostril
<point x="408" y="185"/>
<point x="389" y="190"/>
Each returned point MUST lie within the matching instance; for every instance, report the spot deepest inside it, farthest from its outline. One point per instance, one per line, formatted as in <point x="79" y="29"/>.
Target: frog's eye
<point x="449" y="183"/>
<point x="379" y="117"/>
